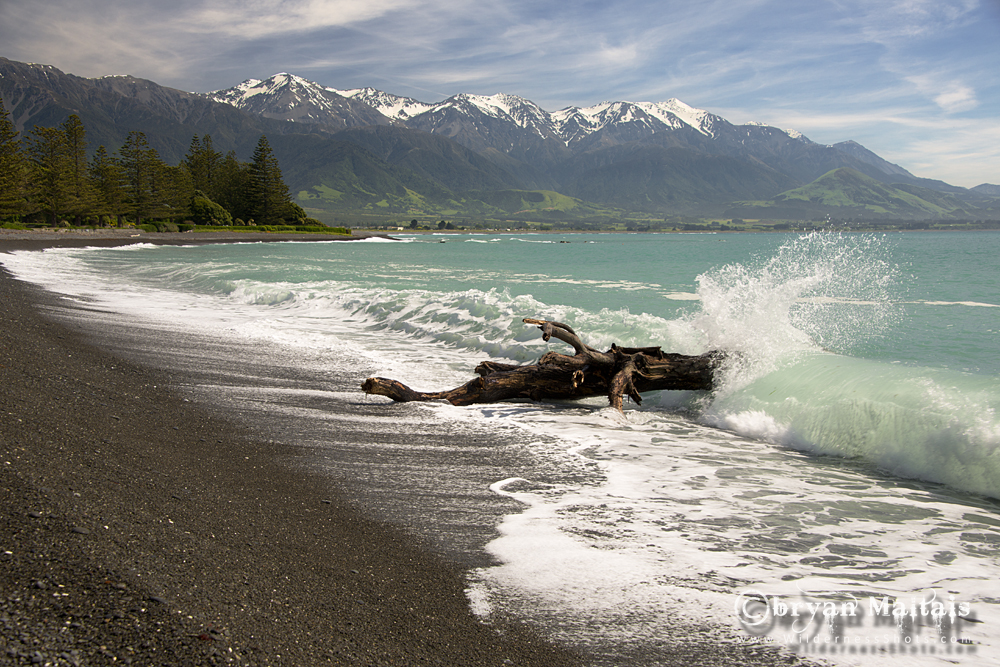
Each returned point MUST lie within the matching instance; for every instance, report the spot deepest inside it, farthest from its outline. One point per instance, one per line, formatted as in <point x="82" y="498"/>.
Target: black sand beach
<point x="140" y="527"/>
<point x="137" y="528"/>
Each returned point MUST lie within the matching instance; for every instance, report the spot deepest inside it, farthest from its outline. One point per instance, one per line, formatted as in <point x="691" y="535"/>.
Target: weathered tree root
<point x="619" y="372"/>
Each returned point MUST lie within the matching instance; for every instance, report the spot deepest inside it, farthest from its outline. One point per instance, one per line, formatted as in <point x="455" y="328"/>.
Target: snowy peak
<point x="293" y="98"/>
<point x="575" y="123"/>
<point x="793" y="134"/>
<point x="240" y="96"/>
<point x="673" y="110"/>
<point x="501" y="106"/>
<point x="288" y="97"/>
<point x="389" y="105"/>
<point x="234" y="96"/>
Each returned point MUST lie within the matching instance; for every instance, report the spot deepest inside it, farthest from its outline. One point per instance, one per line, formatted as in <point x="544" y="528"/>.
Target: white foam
<point x="657" y="519"/>
<point x="971" y="304"/>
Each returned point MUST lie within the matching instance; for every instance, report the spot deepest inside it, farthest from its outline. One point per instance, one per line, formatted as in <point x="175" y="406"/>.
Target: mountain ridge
<point x="521" y="130"/>
<point x="846" y="192"/>
<point x="368" y="150"/>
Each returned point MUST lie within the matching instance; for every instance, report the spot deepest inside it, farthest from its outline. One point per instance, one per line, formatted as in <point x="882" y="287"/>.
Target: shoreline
<point x="39" y="239"/>
<point x="141" y="527"/>
<point x="149" y="527"/>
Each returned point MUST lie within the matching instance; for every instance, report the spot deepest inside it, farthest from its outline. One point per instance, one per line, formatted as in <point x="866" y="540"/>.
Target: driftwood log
<point x="619" y="372"/>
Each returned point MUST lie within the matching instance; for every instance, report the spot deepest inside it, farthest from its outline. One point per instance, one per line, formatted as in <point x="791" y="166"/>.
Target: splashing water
<point x="820" y="291"/>
<point x="637" y="521"/>
<point x="804" y="326"/>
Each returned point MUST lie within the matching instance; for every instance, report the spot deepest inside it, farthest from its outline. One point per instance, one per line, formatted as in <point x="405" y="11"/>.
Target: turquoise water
<point x="853" y="443"/>
<point x="929" y="299"/>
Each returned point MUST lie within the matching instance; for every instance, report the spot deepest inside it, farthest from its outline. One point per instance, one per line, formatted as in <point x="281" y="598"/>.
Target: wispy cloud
<point x="259" y="18"/>
<point x="830" y="68"/>
<point x="950" y="95"/>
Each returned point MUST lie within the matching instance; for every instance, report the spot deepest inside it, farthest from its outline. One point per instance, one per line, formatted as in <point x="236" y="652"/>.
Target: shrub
<point x="159" y="227"/>
<point x="204" y="211"/>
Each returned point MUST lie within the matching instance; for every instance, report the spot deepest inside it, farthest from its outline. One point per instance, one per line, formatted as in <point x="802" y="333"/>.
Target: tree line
<point x="47" y="177"/>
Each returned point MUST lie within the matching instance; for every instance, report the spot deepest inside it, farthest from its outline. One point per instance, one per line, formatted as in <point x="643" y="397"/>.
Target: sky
<point x="916" y="81"/>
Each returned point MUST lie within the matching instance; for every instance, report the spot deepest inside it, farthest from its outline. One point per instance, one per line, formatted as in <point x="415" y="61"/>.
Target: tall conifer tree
<point x="81" y="198"/>
<point x="233" y="187"/>
<point x="269" y="194"/>
<point x="11" y="168"/>
<point x="50" y="175"/>
<point x="108" y="179"/>
<point x="142" y="168"/>
<point x="203" y="162"/>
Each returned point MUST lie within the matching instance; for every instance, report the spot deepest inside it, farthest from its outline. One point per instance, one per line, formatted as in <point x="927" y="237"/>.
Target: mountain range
<point x="471" y="155"/>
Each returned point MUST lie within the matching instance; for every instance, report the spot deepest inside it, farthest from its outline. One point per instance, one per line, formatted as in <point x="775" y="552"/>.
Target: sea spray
<point x="837" y="292"/>
<point x="655" y="515"/>
<point x="789" y="321"/>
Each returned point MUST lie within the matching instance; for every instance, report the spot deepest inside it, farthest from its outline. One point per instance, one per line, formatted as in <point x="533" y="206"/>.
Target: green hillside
<point x="669" y="179"/>
<point x="514" y="202"/>
<point x="846" y="192"/>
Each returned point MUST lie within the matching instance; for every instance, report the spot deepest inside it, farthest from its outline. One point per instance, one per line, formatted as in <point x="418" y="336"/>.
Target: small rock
<point x="80" y="530"/>
<point x="157" y="599"/>
<point x="35" y="515"/>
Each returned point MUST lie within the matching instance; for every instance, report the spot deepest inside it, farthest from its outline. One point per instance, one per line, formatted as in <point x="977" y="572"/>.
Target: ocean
<point x="837" y="496"/>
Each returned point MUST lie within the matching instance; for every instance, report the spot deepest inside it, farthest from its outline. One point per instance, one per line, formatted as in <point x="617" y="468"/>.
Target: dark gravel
<point x="137" y="528"/>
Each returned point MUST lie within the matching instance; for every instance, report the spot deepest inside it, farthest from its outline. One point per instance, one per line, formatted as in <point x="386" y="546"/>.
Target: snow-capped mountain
<point x="370" y="148"/>
<point x="288" y="97"/>
<point x="389" y="105"/>
<point x="294" y="98"/>
<point x="575" y="124"/>
<point x="511" y="126"/>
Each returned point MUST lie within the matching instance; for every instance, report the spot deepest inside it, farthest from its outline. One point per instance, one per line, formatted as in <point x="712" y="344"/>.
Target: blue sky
<point x="916" y="81"/>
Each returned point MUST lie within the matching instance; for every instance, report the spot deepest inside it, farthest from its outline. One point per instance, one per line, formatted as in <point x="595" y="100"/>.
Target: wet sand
<point x="138" y="527"/>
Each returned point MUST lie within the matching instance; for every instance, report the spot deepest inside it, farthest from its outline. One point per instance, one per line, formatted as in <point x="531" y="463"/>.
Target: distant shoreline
<point x="38" y="239"/>
<point x="379" y="232"/>
<point x="31" y="239"/>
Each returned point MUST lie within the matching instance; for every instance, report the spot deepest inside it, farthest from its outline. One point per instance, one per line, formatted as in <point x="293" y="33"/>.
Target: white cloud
<point x="957" y="98"/>
<point x="832" y="70"/>
<point x="891" y="22"/>
<point x="950" y="95"/>
<point x="260" y="18"/>
<point x="965" y="154"/>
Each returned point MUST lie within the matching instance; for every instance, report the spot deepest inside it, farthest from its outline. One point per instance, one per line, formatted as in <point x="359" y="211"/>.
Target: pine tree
<point x="81" y="199"/>
<point x="50" y="175"/>
<point x="174" y="186"/>
<point x="233" y="186"/>
<point x="142" y="168"/>
<point x="12" y="168"/>
<point x="269" y="196"/>
<point x="108" y="179"/>
<point x="202" y="162"/>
